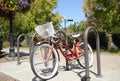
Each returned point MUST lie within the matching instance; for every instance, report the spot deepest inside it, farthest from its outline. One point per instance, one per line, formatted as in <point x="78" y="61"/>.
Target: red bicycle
<point x="45" y="57"/>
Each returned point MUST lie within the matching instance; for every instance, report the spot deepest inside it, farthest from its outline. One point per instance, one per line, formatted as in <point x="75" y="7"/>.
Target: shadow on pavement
<point x="81" y="74"/>
<point x="36" y="79"/>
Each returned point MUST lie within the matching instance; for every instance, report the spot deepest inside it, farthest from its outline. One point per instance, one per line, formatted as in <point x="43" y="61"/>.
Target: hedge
<point x="116" y="39"/>
<point x="103" y="40"/>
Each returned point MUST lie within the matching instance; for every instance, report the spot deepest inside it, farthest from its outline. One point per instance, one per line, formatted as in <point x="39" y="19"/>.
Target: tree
<point x="103" y="14"/>
<point x="41" y="11"/>
<point x="78" y="27"/>
<point x="24" y="21"/>
<point x="7" y="9"/>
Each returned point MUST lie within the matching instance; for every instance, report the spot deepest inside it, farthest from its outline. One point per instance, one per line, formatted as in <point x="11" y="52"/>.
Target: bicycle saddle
<point x="75" y="35"/>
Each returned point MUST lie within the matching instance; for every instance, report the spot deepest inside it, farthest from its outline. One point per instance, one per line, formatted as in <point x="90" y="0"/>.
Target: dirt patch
<point x="4" y="77"/>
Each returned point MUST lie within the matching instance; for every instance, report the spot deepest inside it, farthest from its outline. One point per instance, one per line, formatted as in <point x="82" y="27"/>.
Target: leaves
<point x="12" y="4"/>
<point x="8" y="5"/>
<point x="105" y="14"/>
<point x="25" y="22"/>
<point x="77" y="27"/>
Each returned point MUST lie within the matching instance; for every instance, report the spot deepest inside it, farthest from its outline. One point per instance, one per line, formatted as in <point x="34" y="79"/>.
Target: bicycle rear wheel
<point x="81" y="60"/>
<point x="44" y="61"/>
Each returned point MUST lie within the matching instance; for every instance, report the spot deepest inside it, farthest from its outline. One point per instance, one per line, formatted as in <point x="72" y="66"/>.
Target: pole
<point x="87" y="74"/>
<point x="11" y="49"/>
<point x="65" y="21"/>
<point x="65" y="24"/>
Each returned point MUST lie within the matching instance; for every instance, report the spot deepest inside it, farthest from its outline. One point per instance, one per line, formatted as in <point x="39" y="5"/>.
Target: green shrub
<point x="103" y="40"/>
<point x="116" y="39"/>
<point x="24" y="43"/>
<point x="70" y="41"/>
<point x="113" y="50"/>
<point x="6" y="44"/>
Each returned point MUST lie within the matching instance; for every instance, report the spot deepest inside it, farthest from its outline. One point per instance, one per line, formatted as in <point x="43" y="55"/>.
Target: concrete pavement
<point x="23" y="72"/>
<point x="110" y="70"/>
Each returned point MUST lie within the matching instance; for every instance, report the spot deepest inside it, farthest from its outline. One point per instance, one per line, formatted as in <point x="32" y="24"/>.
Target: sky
<point x="71" y="9"/>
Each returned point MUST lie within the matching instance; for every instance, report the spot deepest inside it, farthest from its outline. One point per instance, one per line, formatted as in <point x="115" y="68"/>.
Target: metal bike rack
<point x="32" y="42"/>
<point x="87" y="76"/>
<point x="18" y="42"/>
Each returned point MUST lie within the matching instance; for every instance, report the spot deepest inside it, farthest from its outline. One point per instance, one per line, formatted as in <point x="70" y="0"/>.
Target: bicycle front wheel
<point x="44" y="61"/>
<point x="81" y="60"/>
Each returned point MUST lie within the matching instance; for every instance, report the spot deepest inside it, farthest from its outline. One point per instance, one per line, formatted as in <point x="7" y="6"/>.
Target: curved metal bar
<point x="32" y="42"/>
<point x="18" y="42"/>
<point x="87" y="77"/>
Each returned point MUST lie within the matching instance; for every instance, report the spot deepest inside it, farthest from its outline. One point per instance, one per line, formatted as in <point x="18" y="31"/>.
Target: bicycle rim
<point x="44" y="61"/>
<point x="81" y="60"/>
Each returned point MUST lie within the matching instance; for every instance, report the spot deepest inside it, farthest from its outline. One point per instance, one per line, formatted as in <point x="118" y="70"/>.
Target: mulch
<point x="4" y="77"/>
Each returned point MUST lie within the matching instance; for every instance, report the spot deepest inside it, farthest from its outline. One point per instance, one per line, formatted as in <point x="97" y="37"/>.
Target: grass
<point x="111" y="51"/>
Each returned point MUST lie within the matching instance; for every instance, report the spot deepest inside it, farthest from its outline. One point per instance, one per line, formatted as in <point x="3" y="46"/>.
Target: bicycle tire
<point x="43" y="71"/>
<point x="61" y="34"/>
<point x="81" y="60"/>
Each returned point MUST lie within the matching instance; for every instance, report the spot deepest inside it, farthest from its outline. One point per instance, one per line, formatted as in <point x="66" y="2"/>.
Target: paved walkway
<point x="23" y="72"/>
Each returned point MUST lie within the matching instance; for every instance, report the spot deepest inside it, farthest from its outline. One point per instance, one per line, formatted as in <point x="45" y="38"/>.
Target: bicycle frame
<point x="72" y="54"/>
